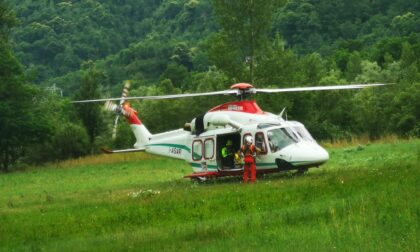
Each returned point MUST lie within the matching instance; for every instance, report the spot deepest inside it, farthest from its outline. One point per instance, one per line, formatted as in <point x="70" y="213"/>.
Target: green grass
<point x="365" y="198"/>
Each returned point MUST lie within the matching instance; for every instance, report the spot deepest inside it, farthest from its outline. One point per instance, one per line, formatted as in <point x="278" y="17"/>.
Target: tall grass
<point x="364" y="198"/>
<point x="361" y="140"/>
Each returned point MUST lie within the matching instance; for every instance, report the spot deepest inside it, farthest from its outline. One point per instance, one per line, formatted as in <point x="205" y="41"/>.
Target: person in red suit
<point x="249" y="152"/>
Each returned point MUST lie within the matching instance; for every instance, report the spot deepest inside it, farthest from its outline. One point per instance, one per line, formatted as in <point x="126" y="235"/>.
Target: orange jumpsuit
<point x="249" y="152"/>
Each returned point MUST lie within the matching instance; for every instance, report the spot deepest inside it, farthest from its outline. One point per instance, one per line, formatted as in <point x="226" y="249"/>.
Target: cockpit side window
<point x="260" y="142"/>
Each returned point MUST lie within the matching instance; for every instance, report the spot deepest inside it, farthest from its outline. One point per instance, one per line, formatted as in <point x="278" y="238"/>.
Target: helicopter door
<point x="228" y="162"/>
<point x="203" y="151"/>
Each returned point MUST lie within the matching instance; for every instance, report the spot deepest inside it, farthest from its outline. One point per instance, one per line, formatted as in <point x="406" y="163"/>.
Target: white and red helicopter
<point x="285" y="145"/>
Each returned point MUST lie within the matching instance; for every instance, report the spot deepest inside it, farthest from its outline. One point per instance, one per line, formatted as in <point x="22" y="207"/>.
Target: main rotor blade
<point x="159" y="97"/>
<point x="317" y="88"/>
<point x="125" y="92"/>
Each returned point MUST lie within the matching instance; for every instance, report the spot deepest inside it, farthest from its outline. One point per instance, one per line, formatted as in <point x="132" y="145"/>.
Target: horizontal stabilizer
<point x="107" y="151"/>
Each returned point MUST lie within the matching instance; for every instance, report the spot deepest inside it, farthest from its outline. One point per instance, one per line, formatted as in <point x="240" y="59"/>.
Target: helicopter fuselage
<point x="283" y="145"/>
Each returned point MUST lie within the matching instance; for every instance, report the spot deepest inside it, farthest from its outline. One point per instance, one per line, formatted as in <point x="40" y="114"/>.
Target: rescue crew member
<point x="249" y="152"/>
<point x="228" y="155"/>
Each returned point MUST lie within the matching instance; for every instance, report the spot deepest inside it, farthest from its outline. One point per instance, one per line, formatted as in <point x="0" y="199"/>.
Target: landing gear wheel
<point x="301" y="171"/>
<point x="202" y="179"/>
<point x="199" y="179"/>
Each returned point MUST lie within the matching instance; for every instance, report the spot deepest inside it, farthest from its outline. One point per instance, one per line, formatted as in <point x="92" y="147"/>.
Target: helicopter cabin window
<point x="197" y="153"/>
<point x="260" y="142"/>
<point x="280" y="138"/>
<point x="208" y="148"/>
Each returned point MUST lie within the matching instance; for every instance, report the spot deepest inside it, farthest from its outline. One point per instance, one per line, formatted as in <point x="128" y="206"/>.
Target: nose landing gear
<point x="301" y="171"/>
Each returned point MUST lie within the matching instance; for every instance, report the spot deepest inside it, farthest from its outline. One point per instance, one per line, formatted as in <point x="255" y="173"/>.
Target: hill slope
<point x="56" y="37"/>
<point x="139" y="39"/>
<point x="365" y="198"/>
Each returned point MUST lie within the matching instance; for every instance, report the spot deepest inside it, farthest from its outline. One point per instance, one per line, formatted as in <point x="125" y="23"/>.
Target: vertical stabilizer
<point x="141" y="133"/>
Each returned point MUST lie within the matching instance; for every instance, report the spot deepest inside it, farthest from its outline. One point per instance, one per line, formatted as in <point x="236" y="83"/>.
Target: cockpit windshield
<point x="280" y="138"/>
<point x="303" y="133"/>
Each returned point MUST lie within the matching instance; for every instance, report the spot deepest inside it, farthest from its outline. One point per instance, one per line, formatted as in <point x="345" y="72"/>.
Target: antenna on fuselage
<point x="281" y="113"/>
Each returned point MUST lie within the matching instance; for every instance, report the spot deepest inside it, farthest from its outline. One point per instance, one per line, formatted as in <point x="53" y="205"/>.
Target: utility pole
<point x="54" y="89"/>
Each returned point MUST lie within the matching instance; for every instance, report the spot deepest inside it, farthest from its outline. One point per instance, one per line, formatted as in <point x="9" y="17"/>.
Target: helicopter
<point x="283" y="145"/>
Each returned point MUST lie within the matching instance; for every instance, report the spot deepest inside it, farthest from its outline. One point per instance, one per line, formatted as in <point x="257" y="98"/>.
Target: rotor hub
<point x="242" y="86"/>
<point x="244" y="90"/>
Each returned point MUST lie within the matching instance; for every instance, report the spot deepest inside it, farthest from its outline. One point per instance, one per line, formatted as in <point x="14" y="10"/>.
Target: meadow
<point x="365" y="198"/>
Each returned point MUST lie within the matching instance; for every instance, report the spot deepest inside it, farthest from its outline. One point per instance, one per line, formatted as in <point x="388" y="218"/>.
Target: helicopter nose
<point x="306" y="153"/>
<point x="323" y="154"/>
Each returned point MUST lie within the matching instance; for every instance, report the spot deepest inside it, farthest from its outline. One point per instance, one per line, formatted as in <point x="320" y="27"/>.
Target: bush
<point x="70" y="141"/>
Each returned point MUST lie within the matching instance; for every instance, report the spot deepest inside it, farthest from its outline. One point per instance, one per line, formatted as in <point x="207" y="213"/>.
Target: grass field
<point x="366" y="198"/>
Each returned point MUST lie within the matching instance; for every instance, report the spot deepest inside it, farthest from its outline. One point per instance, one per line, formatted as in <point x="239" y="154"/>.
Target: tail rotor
<point x="118" y="108"/>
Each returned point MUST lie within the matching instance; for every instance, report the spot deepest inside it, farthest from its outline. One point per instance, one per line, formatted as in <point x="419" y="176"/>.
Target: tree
<point x="90" y="113"/>
<point x="7" y="20"/>
<point x="182" y="55"/>
<point x="178" y="74"/>
<point x="370" y="73"/>
<point x="299" y="23"/>
<point x="18" y="127"/>
<point x="314" y="68"/>
<point x="226" y="58"/>
<point x="70" y="141"/>
<point x="404" y="110"/>
<point x="246" y="25"/>
<point x="67" y="139"/>
<point x="354" y="66"/>
<point x="406" y="24"/>
<point x="279" y="67"/>
<point x="21" y="123"/>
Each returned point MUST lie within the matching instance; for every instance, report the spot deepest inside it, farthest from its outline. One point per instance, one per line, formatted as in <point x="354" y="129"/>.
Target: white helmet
<point x="249" y="139"/>
<point x="270" y="135"/>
